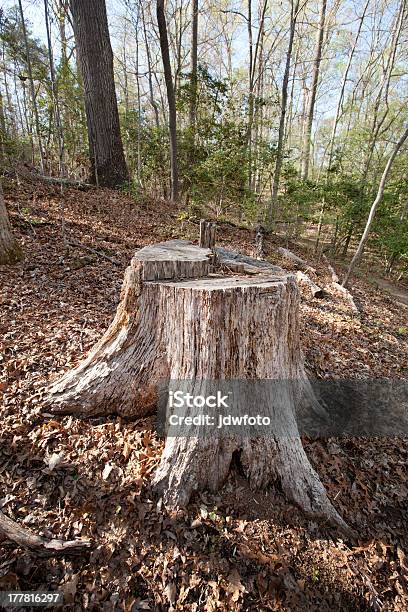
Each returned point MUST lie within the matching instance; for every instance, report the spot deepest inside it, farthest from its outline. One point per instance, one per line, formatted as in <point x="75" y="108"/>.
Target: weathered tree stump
<point x="177" y="320"/>
<point x="121" y="373"/>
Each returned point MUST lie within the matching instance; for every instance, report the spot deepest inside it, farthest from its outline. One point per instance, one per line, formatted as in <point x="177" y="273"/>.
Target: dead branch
<point x="340" y="289"/>
<point x="332" y="271"/>
<point x="91" y="250"/>
<point x="297" y="261"/>
<point x="51" y="180"/>
<point x="304" y="279"/>
<point x="37" y="544"/>
<point x="347" y="295"/>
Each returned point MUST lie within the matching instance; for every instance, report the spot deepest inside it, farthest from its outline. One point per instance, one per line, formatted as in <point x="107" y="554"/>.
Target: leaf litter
<point x="66" y="478"/>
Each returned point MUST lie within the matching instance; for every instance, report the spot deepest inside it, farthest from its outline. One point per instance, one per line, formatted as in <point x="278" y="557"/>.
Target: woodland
<point x="196" y="191"/>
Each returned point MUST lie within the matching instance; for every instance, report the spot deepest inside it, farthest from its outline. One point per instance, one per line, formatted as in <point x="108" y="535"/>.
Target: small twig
<point x="91" y="250"/>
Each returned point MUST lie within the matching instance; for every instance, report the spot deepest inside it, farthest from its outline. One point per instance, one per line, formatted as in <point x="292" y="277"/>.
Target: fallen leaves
<point x="68" y="478"/>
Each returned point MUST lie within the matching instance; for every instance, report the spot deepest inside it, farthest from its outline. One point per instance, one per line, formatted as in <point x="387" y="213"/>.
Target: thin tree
<point x="313" y="92"/>
<point x="193" y="65"/>
<point x="54" y="91"/>
<point x="343" y="86"/>
<point x="149" y="68"/>
<point x="284" y="101"/>
<point x="10" y="250"/>
<point x="255" y="65"/>
<point x="32" y="88"/>
<point x="337" y="118"/>
<point x="90" y="23"/>
<point x="380" y="193"/>
<point x="171" y="98"/>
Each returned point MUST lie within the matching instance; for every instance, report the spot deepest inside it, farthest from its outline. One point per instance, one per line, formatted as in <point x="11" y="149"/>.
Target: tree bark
<point x="171" y="98"/>
<point x="108" y="165"/>
<point x="360" y="249"/>
<point x="10" y="251"/>
<point x="194" y="331"/>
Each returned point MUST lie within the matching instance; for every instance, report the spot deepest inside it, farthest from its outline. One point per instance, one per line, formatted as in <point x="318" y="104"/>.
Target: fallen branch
<point x="52" y="180"/>
<point x="243" y="263"/>
<point x="347" y="295"/>
<point x="91" y="250"/>
<point x="332" y="271"/>
<point x="304" y="279"/>
<point x="297" y="261"/>
<point x="339" y="288"/>
<point x="41" y="546"/>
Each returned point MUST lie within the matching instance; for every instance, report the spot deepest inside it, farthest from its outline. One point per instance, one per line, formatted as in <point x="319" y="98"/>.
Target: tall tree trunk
<point x="3" y="132"/>
<point x="360" y="249"/>
<point x="32" y="89"/>
<point x="255" y="61"/>
<point x="108" y="165"/>
<point x="193" y="67"/>
<point x="250" y="91"/>
<point x="139" y="107"/>
<point x="282" y="121"/>
<point x="312" y="98"/>
<point x="10" y="251"/>
<point x="343" y="86"/>
<point x="149" y="69"/>
<point x="337" y="118"/>
<point x="171" y="98"/>
<point x="383" y="93"/>
<point x="55" y="99"/>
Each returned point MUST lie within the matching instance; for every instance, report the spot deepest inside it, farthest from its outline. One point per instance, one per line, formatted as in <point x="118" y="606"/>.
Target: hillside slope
<point x="237" y="550"/>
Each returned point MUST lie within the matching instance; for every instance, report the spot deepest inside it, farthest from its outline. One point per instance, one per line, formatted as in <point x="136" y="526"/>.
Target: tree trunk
<point x="149" y="69"/>
<point x="193" y="67"/>
<point x="360" y="249"/>
<point x="171" y="98"/>
<point x="108" y="165"/>
<point x="55" y="97"/>
<point x="192" y="332"/>
<point x="10" y="251"/>
<point x="343" y="89"/>
<point x="282" y="121"/>
<point x="32" y="89"/>
<point x="313" y="92"/>
<point x="255" y="61"/>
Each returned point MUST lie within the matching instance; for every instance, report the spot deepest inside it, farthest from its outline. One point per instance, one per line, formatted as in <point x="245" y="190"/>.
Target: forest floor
<point x="64" y="477"/>
<point x="396" y="291"/>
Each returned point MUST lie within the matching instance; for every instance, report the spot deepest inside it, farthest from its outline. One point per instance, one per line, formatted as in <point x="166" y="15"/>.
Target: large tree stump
<point x="179" y="321"/>
<point x="121" y="373"/>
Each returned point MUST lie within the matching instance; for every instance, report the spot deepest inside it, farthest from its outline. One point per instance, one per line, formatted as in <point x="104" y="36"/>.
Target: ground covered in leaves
<point x="66" y="478"/>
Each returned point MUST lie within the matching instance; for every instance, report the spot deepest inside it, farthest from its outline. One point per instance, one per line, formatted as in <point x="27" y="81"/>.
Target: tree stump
<point x="122" y="371"/>
<point x="179" y="321"/>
